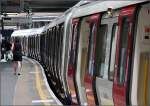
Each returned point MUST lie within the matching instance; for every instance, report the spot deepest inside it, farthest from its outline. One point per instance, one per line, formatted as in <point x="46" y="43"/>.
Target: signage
<point x="147" y="34"/>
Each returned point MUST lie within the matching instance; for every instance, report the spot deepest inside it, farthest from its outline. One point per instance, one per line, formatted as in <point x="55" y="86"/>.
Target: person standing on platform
<point x="0" y="44"/>
<point x="3" y="50"/>
<point x="8" y="50"/>
<point x="17" y="56"/>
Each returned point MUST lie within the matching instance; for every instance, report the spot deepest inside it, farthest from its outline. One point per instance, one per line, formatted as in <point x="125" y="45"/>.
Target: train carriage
<point x="97" y="53"/>
<point x="103" y="69"/>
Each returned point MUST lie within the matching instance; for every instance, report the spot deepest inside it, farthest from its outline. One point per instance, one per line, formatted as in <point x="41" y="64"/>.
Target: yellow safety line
<point x="145" y="81"/>
<point x="39" y="86"/>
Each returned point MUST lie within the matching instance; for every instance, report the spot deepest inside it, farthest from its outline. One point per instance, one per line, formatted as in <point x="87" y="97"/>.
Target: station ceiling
<point x="15" y="6"/>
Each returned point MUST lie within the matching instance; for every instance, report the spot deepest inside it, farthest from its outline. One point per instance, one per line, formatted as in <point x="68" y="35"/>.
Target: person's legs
<point x="15" y="64"/>
<point x="19" y="67"/>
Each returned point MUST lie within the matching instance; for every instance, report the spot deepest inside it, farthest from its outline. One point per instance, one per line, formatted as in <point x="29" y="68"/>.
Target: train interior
<point x="82" y="57"/>
<point x="87" y="43"/>
<point x="105" y="58"/>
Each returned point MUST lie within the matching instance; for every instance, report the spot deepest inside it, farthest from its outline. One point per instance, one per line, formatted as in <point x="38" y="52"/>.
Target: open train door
<point x="73" y="61"/>
<point x="121" y="85"/>
<point x="89" y="79"/>
<point x="84" y="67"/>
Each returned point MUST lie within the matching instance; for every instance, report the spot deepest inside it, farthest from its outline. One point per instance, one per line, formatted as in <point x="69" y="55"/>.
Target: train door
<point x="40" y="46"/>
<point x="52" y="51"/>
<point x="52" y="56"/>
<point x="28" y="42"/>
<point x="59" y="34"/>
<point x="105" y="58"/>
<point x="73" y="61"/>
<point x="46" y="52"/>
<point x="30" y="46"/>
<point x="32" y="42"/>
<point x="60" y="56"/>
<point x="36" y="47"/>
<point x="35" y="51"/>
<point x="56" y="59"/>
<point x="24" y="38"/>
<point x="89" y="79"/>
<point x="22" y="43"/>
<point x="25" y="45"/>
<point x="122" y="77"/>
<point x="45" y="49"/>
<point x="140" y="86"/>
<point x="42" y="43"/>
<point x="85" y="64"/>
<point x="32" y="37"/>
<point x="39" y="37"/>
<point x="48" y="49"/>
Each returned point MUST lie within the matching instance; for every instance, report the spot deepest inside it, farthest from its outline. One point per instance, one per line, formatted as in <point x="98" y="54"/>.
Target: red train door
<point x="72" y="61"/>
<point x="89" y="79"/>
<point x="121" y="85"/>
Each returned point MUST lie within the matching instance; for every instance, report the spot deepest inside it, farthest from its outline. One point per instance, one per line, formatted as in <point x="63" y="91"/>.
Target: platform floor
<point x="30" y="88"/>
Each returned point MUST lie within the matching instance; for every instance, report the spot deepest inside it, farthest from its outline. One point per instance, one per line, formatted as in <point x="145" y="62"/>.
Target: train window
<point x="90" y="61"/>
<point x="73" y="47"/>
<point x="71" y="51"/>
<point x="113" y="51"/>
<point x="123" y="50"/>
<point x="101" y="50"/>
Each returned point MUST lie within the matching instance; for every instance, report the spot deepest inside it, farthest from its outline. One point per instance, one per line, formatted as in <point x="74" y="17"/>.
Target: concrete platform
<point x="30" y="88"/>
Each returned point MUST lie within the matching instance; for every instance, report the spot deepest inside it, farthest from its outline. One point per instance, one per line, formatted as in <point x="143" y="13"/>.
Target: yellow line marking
<point x="39" y="84"/>
<point x="145" y="81"/>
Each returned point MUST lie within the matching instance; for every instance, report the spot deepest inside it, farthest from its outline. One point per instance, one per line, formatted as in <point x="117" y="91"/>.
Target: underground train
<point x="97" y="53"/>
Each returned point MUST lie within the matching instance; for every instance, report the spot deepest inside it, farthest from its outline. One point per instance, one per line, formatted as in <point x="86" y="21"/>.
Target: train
<point x="96" y="53"/>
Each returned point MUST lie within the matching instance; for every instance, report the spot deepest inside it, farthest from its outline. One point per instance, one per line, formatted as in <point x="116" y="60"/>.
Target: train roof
<point x="57" y="21"/>
<point x="101" y="6"/>
<point x="28" y="32"/>
<point x="63" y="17"/>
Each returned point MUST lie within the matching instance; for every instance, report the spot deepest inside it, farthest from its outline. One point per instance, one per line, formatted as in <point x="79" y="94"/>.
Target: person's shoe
<point x="19" y="74"/>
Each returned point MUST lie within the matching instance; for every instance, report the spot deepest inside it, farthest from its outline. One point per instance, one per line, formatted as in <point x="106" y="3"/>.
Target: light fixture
<point x="9" y="14"/>
<point x="110" y="12"/>
<point x="12" y="13"/>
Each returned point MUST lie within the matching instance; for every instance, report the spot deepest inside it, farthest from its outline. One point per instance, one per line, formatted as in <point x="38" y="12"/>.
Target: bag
<point x="9" y="55"/>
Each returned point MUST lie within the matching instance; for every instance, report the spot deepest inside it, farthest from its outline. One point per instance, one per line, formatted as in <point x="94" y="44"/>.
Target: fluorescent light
<point x="12" y="13"/>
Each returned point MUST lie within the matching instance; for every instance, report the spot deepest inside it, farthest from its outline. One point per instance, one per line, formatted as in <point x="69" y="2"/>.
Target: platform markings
<point x="47" y="85"/>
<point x="43" y="101"/>
<point x="39" y="82"/>
<point x="39" y="86"/>
<point x="33" y="72"/>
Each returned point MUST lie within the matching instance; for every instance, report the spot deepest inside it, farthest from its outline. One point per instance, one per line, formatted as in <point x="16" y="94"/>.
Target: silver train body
<point x="96" y="53"/>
